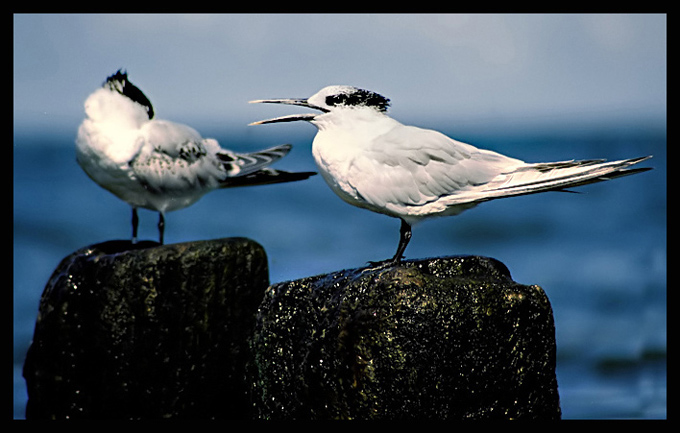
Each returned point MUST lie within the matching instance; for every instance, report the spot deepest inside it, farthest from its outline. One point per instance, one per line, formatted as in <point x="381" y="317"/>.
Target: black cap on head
<point x="120" y="83"/>
<point x="355" y="97"/>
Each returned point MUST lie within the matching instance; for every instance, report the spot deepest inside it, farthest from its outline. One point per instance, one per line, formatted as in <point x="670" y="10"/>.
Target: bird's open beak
<point x="289" y="118"/>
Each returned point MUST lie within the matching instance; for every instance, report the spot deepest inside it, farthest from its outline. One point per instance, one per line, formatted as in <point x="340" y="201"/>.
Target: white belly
<point x="340" y="168"/>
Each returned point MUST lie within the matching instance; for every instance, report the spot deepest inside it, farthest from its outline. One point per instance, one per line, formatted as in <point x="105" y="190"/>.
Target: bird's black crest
<point x="359" y="97"/>
<point x="120" y="83"/>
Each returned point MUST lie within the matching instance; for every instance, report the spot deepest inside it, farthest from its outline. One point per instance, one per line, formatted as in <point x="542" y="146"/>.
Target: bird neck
<point x="350" y="119"/>
<point x="110" y="107"/>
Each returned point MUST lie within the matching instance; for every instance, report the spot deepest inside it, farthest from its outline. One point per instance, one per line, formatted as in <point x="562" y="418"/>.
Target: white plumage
<point x="373" y="161"/>
<point x="157" y="164"/>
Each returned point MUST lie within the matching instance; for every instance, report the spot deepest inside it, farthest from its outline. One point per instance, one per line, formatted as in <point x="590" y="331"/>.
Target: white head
<point x="119" y="82"/>
<point x="330" y="99"/>
<point x="118" y="98"/>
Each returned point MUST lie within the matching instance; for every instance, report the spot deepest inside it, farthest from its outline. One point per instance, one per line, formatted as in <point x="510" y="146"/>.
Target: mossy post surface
<point x="146" y="331"/>
<point x="193" y="331"/>
<point x="447" y="338"/>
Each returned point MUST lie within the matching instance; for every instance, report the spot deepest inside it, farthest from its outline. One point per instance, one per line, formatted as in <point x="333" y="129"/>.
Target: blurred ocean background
<point x="535" y="87"/>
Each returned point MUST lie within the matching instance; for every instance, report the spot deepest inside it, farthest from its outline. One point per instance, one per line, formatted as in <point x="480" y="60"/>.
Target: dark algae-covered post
<point x="144" y="331"/>
<point x="196" y="331"/>
<point x="447" y="338"/>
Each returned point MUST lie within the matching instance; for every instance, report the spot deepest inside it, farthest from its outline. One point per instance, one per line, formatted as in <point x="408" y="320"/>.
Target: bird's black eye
<point x="359" y="98"/>
<point x="334" y="100"/>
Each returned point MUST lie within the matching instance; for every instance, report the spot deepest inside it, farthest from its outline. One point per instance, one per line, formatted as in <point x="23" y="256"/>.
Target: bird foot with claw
<point x="374" y="266"/>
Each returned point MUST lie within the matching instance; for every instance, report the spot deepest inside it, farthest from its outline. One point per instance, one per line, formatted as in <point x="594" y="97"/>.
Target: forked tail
<point x="550" y="176"/>
<point x="556" y="176"/>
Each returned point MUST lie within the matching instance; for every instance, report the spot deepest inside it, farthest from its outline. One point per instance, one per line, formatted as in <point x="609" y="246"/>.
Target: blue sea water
<point x="599" y="255"/>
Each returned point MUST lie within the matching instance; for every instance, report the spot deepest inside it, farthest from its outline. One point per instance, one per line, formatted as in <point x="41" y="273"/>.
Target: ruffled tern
<point x="157" y="164"/>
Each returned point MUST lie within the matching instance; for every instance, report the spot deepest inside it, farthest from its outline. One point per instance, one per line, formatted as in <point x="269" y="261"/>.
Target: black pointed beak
<point x="289" y="118"/>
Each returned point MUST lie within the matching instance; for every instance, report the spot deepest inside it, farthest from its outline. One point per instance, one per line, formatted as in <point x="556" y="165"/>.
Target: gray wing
<point x="245" y="169"/>
<point x="410" y="166"/>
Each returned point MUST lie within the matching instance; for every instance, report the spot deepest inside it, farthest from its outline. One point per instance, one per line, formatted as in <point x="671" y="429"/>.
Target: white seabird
<point x="375" y="162"/>
<point x="157" y="164"/>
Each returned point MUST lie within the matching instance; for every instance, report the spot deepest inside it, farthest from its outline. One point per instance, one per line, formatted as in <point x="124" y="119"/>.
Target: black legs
<point x="161" y="227"/>
<point x="135" y="225"/>
<point x="404" y="238"/>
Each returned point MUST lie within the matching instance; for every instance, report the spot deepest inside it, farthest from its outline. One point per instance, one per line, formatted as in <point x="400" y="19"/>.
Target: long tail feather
<point x="534" y="178"/>
<point x="553" y="176"/>
<point x="265" y="177"/>
<point x="242" y="164"/>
